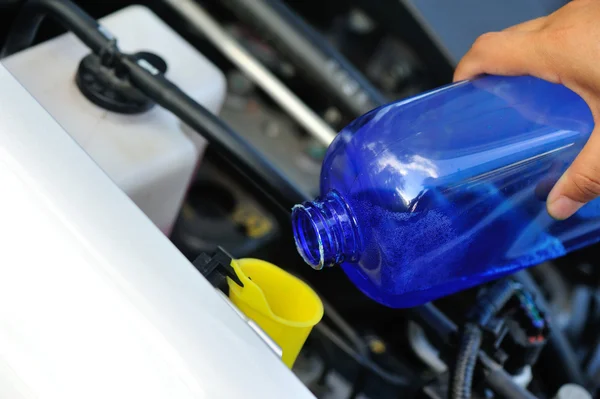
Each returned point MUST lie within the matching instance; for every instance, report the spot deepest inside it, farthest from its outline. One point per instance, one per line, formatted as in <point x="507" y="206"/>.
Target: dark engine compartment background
<point x="403" y="48"/>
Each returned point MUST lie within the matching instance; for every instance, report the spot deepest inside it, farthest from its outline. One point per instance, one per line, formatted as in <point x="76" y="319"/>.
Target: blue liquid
<point x="435" y="194"/>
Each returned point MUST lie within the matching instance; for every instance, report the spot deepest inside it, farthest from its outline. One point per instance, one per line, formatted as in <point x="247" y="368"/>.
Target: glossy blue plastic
<point x="444" y="191"/>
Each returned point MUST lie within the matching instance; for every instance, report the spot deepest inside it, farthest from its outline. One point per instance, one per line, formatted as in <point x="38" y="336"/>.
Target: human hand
<point x="563" y="47"/>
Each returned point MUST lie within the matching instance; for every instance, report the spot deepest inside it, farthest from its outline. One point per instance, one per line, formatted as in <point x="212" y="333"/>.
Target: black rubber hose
<point x="503" y="384"/>
<point x="579" y="311"/>
<point x="309" y="51"/>
<point x="558" y="350"/>
<point x="71" y="17"/>
<point x="462" y="377"/>
<point x="241" y="154"/>
<point x="435" y="323"/>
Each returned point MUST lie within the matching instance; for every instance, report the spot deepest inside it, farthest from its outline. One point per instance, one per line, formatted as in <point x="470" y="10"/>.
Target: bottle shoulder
<point x="455" y="133"/>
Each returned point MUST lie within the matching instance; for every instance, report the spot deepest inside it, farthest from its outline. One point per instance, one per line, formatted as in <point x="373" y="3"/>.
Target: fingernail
<point x="563" y="207"/>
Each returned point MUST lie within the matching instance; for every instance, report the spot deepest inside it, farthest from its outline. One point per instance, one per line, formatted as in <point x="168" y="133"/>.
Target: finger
<point x="579" y="184"/>
<point x="528" y="26"/>
<point x="501" y="53"/>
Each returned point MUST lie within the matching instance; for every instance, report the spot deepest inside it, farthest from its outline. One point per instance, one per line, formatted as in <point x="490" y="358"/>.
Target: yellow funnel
<point x="282" y="305"/>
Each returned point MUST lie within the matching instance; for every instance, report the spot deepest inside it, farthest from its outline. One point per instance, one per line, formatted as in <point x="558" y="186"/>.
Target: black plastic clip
<point x="109" y="53"/>
<point x="217" y="268"/>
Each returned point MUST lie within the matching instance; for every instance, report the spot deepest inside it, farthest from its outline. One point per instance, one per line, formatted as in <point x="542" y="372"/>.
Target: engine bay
<point x="275" y="80"/>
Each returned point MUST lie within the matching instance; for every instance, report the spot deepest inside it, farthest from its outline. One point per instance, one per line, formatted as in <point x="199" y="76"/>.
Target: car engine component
<point x="237" y="110"/>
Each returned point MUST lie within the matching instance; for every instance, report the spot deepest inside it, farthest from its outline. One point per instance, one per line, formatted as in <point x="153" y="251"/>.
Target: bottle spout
<point x="326" y="231"/>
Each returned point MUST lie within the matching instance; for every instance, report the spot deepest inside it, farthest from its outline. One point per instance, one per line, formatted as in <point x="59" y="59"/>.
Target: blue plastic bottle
<point x="440" y="192"/>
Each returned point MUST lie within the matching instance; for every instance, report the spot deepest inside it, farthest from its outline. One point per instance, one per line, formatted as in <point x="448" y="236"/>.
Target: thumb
<point x="579" y="184"/>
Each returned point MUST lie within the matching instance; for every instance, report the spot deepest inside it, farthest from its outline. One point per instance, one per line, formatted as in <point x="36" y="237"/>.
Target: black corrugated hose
<point x="466" y="360"/>
<point x="488" y="305"/>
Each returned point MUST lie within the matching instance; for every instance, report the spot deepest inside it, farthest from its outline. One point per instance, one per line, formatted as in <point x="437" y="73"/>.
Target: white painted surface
<point x="95" y="302"/>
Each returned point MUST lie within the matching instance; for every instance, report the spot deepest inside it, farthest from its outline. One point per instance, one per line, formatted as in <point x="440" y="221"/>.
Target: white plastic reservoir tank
<point x="150" y="156"/>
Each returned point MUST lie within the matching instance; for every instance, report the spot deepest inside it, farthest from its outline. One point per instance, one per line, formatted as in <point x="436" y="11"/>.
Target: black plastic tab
<point x="217" y="268"/>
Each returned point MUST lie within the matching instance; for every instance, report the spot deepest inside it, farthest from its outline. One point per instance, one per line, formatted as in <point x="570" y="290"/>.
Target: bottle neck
<point x="326" y="231"/>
